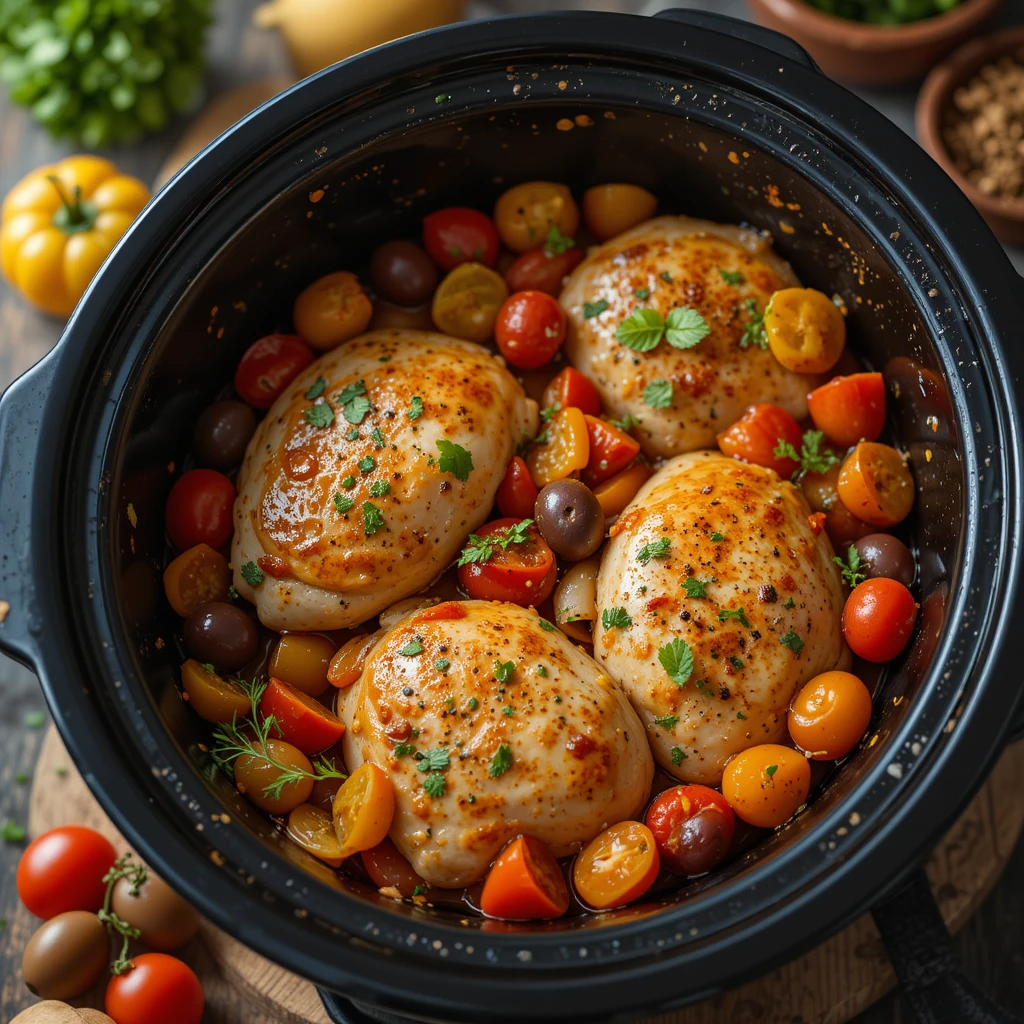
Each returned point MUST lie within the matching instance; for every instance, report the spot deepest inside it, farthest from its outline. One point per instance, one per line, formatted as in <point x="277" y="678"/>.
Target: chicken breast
<point x="516" y="731"/>
<point x="351" y="495"/>
<point x="727" y="274"/>
<point x="734" y="604"/>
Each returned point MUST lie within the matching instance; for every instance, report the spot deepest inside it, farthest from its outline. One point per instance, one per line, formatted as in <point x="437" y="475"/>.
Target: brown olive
<point x="254" y="773"/>
<point x="66" y="955"/>
<point x="222" y="432"/>
<point x="885" y="555"/>
<point x="404" y="273"/>
<point x="570" y="519"/>
<point x="165" y="920"/>
<point x="302" y="659"/>
<point x="703" y="841"/>
<point x="221" y="635"/>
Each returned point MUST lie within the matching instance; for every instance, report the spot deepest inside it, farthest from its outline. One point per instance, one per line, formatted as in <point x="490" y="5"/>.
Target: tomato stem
<point x="75" y="214"/>
<point x="137" y="875"/>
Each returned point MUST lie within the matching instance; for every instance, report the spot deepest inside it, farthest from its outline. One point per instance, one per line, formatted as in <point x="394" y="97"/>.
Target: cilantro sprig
<point x="481" y="549"/>
<point x="850" y="567"/>
<point x="811" y="458"/>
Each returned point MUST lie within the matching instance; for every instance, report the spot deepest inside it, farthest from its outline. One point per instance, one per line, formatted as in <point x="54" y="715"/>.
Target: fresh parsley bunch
<point x="885" y="12"/>
<point x="100" y="72"/>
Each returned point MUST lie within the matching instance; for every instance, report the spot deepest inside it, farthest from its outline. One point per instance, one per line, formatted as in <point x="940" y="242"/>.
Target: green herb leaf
<point x="11" y="832"/>
<point x="435" y="760"/>
<point x="442" y="664"/>
<point x="655" y="549"/>
<point x="667" y="721"/>
<point x="616" y="618"/>
<point x="354" y="403"/>
<point x="642" y="293"/>
<point x="477" y="549"/>
<point x="546" y="414"/>
<point x="695" y="587"/>
<point x="770" y="770"/>
<point x="724" y="614"/>
<point x="316" y="389"/>
<point x="419" y="890"/>
<point x="508" y="710"/>
<point x="252" y="574"/>
<point x="732" y="277"/>
<point x="811" y="457"/>
<point x="677" y="755"/>
<point x="592" y="309"/>
<point x="367" y="464"/>
<point x="753" y="330"/>
<point x="658" y="394"/>
<point x="737" y="663"/>
<point x="501" y="762"/>
<point x="473" y="704"/>
<point x="380" y="489"/>
<point x="378" y="438"/>
<point x="320" y="415"/>
<point x="685" y="328"/>
<point x="641" y="330"/>
<point x="35" y="719"/>
<point x="454" y="459"/>
<point x="742" y="717"/>
<point x="850" y="568"/>
<point x="353" y="434"/>
<point x="373" y="520"/>
<point x="556" y="242"/>
<point x="792" y="641"/>
<point x="790" y="604"/>
<point x="416" y="407"/>
<point x="544" y="624"/>
<point x="348" y="482"/>
<point x="542" y="671"/>
<point x="503" y="670"/>
<point x="413" y="647"/>
<point x="666" y="277"/>
<point x="434" y="785"/>
<point x="342" y="504"/>
<point x="677" y="660"/>
<point x="717" y="537"/>
<point x="403" y="749"/>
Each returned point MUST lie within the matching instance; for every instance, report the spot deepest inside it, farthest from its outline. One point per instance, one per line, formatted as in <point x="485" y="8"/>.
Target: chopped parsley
<point x="252" y="574"/>
<point x="353" y="434"/>
<point x="434" y="760"/>
<point x="626" y="423"/>
<point x="677" y="755"/>
<point x="454" y="459"/>
<point x="644" y="328"/>
<point x="541" y="670"/>
<point x="790" y="604"/>
<point x="792" y="641"/>
<point x="717" y="537"/>
<point x="481" y="549"/>
<point x="616" y="618"/>
<point x="655" y="549"/>
<point x="416" y="407"/>
<point x="737" y="663"/>
<point x="677" y="660"/>
<point x="667" y="721"/>
<point x="557" y="243"/>
<point x="503" y="670"/>
<point x="546" y="414"/>
<point x="473" y="704"/>
<point x="434" y="785"/>
<point x="508" y="710"/>
<point x="420" y="889"/>
<point x="412" y="648"/>
<point x="379" y="489"/>
<point x="320" y="415"/>
<point x="724" y="614"/>
<point x="658" y="394"/>
<point x="592" y="309"/>
<point x="811" y="458"/>
<point x="442" y="664"/>
<point x="501" y="762"/>
<point x="753" y="330"/>
<point x="695" y="587"/>
<point x="342" y="504"/>
<point x="443" y="97"/>
<point x="402" y="749"/>
<point x="732" y="276"/>
<point x="316" y="389"/>
<point x="367" y="464"/>
<point x="373" y="521"/>
<point x="348" y="482"/>
<point x="850" y="567"/>
<point x="666" y="277"/>
<point x="378" y="438"/>
<point x="544" y="624"/>
<point x="354" y="403"/>
<point x="742" y="717"/>
<point x="642" y="293"/>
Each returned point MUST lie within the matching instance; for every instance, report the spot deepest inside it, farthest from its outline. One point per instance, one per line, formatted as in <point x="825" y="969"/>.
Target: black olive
<point x="570" y="519"/>
<point x="221" y="635"/>
<point x="222" y="432"/>
<point x="403" y="273"/>
<point x="885" y="555"/>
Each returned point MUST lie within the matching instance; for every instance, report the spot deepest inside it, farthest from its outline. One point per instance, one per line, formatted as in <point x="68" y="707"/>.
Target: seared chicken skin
<point x="728" y="275"/>
<point x="720" y="555"/>
<point x="346" y="518"/>
<point x="520" y="732"/>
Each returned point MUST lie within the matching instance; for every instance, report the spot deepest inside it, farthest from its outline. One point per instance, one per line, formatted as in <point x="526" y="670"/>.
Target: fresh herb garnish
<point x="454" y="459"/>
<point x="503" y="670"/>
<point x="641" y="330"/>
<point x="557" y="243"/>
<point x="811" y="458"/>
<point x="655" y="549"/>
<point x="377" y="438"/>
<point x="770" y="771"/>
<point x="616" y="618"/>
<point x="354" y="403"/>
<point x="753" y="330"/>
<point x="850" y="567"/>
<point x="742" y="717"/>
<point x="666" y="277"/>
<point x="792" y="641"/>
<point x="737" y="663"/>
<point x="695" y="587"/>
<point x="658" y="394"/>
<point x="419" y="890"/>
<point x="724" y="614"/>
<point x="434" y="785"/>
<point x="34" y="719"/>
<point x="642" y="293"/>
<point x="473" y="704"/>
<point x="380" y="489"/>
<point x="367" y="464"/>
<point x="626" y="423"/>
<point x="685" y="328"/>
<point x="677" y="660"/>
<point x="412" y="648"/>
<point x="415" y="407"/>
<point x="677" y="755"/>
<point x="544" y="624"/>
<point x="316" y="389"/>
<point x="667" y="721"/>
<point x="342" y="504"/>
<point x="348" y="482"/>
<point x="546" y="414"/>
<point x="402" y="749"/>
<point x="717" y="537"/>
<point x="732" y="276"/>
<point x="434" y="760"/>
<point x="790" y="604"/>
<point x="12" y="832"/>
<point x="373" y="520"/>
<point x="501" y="762"/>
<point x="481" y="549"/>
<point x="508" y="710"/>
<point x="592" y="309"/>
<point x="320" y="415"/>
<point x="252" y="574"/>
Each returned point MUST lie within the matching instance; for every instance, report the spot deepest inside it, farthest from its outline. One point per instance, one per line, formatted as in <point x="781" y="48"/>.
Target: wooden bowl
<point x="873" y="54"/>
<point x="1004" y="216"/>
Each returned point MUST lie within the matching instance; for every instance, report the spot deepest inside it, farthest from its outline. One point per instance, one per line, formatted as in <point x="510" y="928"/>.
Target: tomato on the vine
<point x="159" y="989"/>
<point x="199" y="509"/>
<point x="63" y="870"/>
<point x="755" y="437"/>
<point x="269" y="366"/>
<point x="523" y="573"/>
<point x="530" y="329"/>
<point x="457" y="235"/>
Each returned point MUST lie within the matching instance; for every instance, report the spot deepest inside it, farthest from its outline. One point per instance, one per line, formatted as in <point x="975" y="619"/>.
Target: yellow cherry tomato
<point x="467" y="301"/>
<point x="525" y="214"/>
<point x="565" y="451"/>
<point x="830" y="715"/>
<point x="331" y="310"/>
<point x="766" y="784"/>
<point x="806" y="332"/>
<point x="58" y="224"/>
<point x="363" y="809"/>
<point x="608" y="210"/>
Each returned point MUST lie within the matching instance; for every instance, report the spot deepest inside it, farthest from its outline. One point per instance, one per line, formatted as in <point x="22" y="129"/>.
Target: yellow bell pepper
<point x="58" y="224"/>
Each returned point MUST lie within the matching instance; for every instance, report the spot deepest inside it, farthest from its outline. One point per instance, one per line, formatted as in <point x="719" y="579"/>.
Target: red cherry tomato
<point x="878" y="619"/>
<point x="849" y="409"/>
<point x="525" y="883"/>
<point x="570" y="389"/>
<point x="63" y="870"/>
<point x="611" y="450"/>
<point x="269" y="366"/>
<point x="755" y="437"/>
<point x="199" y="509"/>
<point x="530" y="329"/>
<point x="517" y="492"/>
<point x="159" y="989"/>
<point x="302" y="720"/>
<point x="693" y="827"/>
<point x="540" y="270"/>
<point x="457" y="235"/>
<point x="523" y="573"/>
<point x="387" y="868"/>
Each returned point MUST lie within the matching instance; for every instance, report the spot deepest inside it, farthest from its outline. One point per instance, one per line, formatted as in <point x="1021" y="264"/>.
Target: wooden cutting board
<point x="829" y="985"/>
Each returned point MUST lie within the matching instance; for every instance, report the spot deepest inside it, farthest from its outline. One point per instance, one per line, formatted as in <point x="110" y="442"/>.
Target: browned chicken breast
<point x="351" y="495"/>
<point x="492" y="726"/>
<point x="725" y="273"/>
<point x="733" y="602"/>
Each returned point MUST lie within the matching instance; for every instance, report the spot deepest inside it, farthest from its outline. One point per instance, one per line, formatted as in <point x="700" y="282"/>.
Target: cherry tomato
<point x="467" y="301"/>
<point x="389" y="869"/>
<point x="878" y="619"/>
<point x="457" y="235"/>
<point x="313" y="829"/>
<point x="527" y="214"/>
<point x="841" y="525"/>
<point x="618" y="491"/>
<point x="211" y="696"/>
<point x="363" y="809"/>
<point x="159" y="989"/>
<point x="63" y="870"/>
<point x="766" y="784"/>
<point x="830" y="715"/>
<point x="302" y="720"/>
<point x="541" y="270"/>
<point x="755" y="437"/>
<point x="195" y="577"/>
<point x="619" y="866"/>
<point x="611" y="451"/>
<point x="608" y="210"/>
<point x="269" y="366"/>
<point x="199" y="509"/>
<point x="570" y="389"/>
<point x="849" y="409"/>
<point x="525" y="883"/>
<point x="331" y="310"/>
<point x="875" y="484"/>
<point x="530" y="329"/>
<point x="524" y="574"/>
<point x="806" y="332"/>
<point x="564" y="451"/>
<point x="693" y="827"/>
<point x="517" y="492"/>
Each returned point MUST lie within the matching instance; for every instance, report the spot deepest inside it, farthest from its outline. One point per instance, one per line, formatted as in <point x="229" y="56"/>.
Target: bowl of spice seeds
<point x="970" y="117"/>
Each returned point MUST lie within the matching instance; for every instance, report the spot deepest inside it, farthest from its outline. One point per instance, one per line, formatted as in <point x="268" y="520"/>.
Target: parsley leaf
<point x="546" y="414"/>
<point x="753" y="331"/>
<point x="477" y="549"/>
<point x="667" y="721"/>
<point x="641" y="330"/>
<point x="434" y="760"/>
<point x="811" y="458"/>
<point x="717" y="537"/>
<point x="503" y="670"/>
<point x="508" y="710"/>
<point x="473" y="704"/>
<point x="592" y="309"/>
<point x="434" y="785"/>
<point x="556" y="242"/>
<point x="724" y="614"/>
<point x="732" y="276"/>
<point x="402" y="749"/>
<point x="342" y="504"/>
<point x="501" y="762"/>
<point x="348" y="482"/>
<point x="373" y="521"/>
<point x="792" y="641"/>
<point x="316" y="389"/>
<point x="642" y="293"/>
<point x="550" y="627"/>
<point x="850" y="568"/>
<point x="367" y="464"/>
<point x="379" y="489"/>
<point x="790" y="604"/>
<point x="416" y="407"/>
<point x="616" y="618"/>
<point x="770" y="771"/>
<point x="685" y="328"/>
<point x="481" y="549"/>
<point x="454" y="459"/>
<point x="252" y="574"/>
<point x="695" y="587"/>
<point x="737" y="663"/>
<point x="666" y="277"/>
<point x="442" y="664"/>
<point x="11" y="832"/>
<point x="677" y="660"/>
<point x="354" y="403"/>
<point x="655" y="549"/>
<point x="412" y="648"/>
<point x="658" y="394"/>
<point x="677" y="755"/>
<point x="320" y="415"/>
<point x="626" y="423"/>
<point x="378" y="438"/>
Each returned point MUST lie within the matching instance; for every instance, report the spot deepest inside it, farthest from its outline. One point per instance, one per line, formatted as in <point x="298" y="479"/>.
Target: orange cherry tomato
<point x="525" y="214"/>
<point x="766" y="784"/>
<point x="63" y="870"/>
<point x="841" y="525"/>
<point x="269" y="366"/>
<point x="693" y="827"/>
<point x="525" y="883"/>
<point x="517" y="492"/>
<point x="875" y="484"/>
<point x="618" y="491"/>
<point x="312" y="828"/>
<point x="542" y="270"/>
<point x="347" y="665"/>
<point x="570" y="389"/>
<point x="363" y="809"/>
<point x="302" y="720"/>
<point x="816" y="521"/>
<point x="805" y="329"/>
<point x="195" y="577"/>
<point x="611" y="451"/>
<point x="388" y="869"/>
<point x="530" y="329"/>
<point x="211" y="696"/>
<point x="565" y="451"/>
<point x="524" y="574"/>
<point x="879" y="618"/>
<point x="849" y="409"/>
<point x="619" y="866"/>
<point x="159" y="989"/>
<point x="331" y="310"/>
<point x="608" y="210"/>
<point x="830" y="715"/>
<point x="755" y="437"/>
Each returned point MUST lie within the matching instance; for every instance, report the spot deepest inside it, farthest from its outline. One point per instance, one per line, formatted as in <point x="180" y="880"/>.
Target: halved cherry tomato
<point x="199" y="509"/>
<point x="693" y="827"/>
<point x="63" y="870"/>
<point x="611" y="451"/>
<point x="388" y="869"/>
<point x="347" y="665"/>
<point x="195" y="577"/>
<point x="542" y="270"/>
<point x="830" y="715"/>
<point x="363" y="809"/>
<point x="467" y="301"/>
<point x="878" y="619"/>
<point x="211" y="696"/>
<point x="755" y="437"/>
<point x="331" y="310"/>
<point x="525" y="883"/>
<point x="457" y="235"/>
<point x="524" y="574"/>
<point x="269" y="366"/>
<point x="841" y="525"/>
<point x="530" y="329"/>
<point x="565" y="450"/>
<point x="619" y="866"/>
<point x="610" y="209"/>
<point x="303" y="721"/>
<point x="517" y="492"/>
<point x="313" y="829"/>
<point x="617" y="492"/>
<point x="766" y="784"/>
<point x="875" y="484"/>
<point x="159" y="989"/>
<point x="302" y="661"/>
<point x="849" y="409"/>
<point x="805" y="329"/>
<point x="570" y="389"/>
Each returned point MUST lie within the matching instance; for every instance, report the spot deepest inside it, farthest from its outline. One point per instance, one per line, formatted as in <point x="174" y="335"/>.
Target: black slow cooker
<point x="719" y="119"/>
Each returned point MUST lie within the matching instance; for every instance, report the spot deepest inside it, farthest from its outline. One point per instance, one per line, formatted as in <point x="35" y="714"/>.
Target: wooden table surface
<point x="991" y="946"/>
